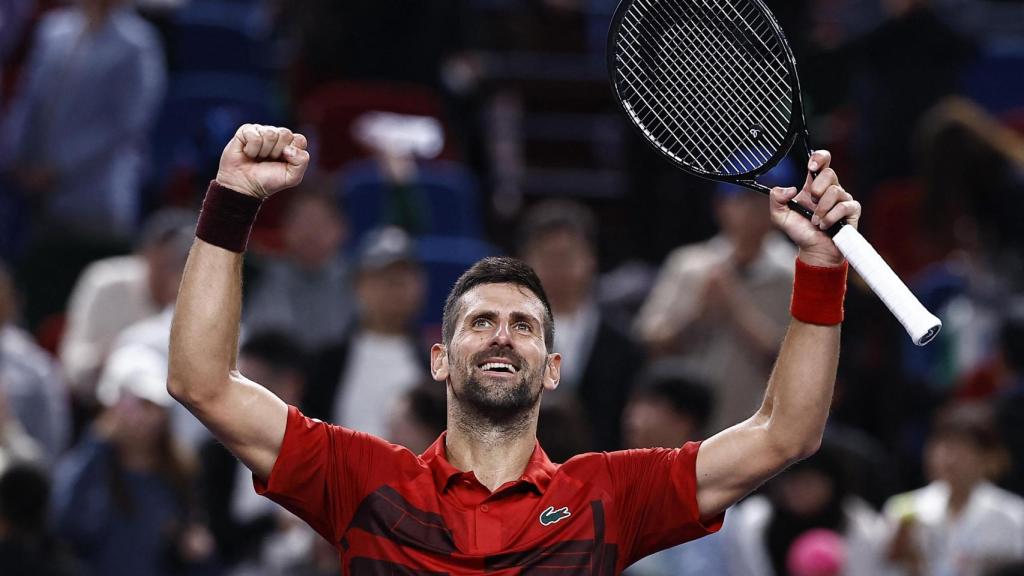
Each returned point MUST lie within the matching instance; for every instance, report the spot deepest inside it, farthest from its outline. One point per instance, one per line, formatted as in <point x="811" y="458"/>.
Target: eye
<point x="481" y="323"/>
<point x="523" y="327"/>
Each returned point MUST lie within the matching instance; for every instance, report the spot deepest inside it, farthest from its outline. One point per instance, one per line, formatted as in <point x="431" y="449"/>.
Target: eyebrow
<point x="514" y="316"/>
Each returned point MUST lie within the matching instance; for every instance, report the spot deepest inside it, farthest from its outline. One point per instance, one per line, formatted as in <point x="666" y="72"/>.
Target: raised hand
<point x="262" y="160"/>
<point x="830" y="204"/>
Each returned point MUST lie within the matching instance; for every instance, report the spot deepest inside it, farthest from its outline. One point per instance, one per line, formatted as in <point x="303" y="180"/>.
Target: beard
<point x="500" y="402"/>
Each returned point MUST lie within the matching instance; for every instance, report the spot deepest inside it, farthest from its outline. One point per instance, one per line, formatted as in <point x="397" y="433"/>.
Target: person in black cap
<point x="345" y="383"/>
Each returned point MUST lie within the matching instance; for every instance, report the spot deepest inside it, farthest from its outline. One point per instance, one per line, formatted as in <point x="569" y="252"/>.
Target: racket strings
<point x="706" y="81"/>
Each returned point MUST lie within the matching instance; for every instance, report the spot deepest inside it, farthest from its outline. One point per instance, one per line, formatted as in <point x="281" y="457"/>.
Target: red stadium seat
<point x="328" y="114"/>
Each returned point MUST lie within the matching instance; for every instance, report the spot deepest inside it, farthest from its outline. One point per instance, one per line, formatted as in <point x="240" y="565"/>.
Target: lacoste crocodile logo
<point x="550" y="516"/>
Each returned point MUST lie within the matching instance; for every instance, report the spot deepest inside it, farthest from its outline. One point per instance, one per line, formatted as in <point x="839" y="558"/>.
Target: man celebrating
<point x="484" y="498"/>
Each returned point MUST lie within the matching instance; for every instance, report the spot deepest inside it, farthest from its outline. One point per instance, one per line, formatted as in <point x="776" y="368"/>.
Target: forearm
<point x="204" y="334"/>
<point x="799" y="394"/>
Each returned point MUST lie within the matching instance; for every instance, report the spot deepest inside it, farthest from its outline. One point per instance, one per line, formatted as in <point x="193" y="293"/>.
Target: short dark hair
<point x="556" y="216"/>
<point x="970" y="421"/>
<point x="428" y="405"/>
<point x="685" y="394"/>
<point x="275" y="348"/>
<point x="496" y="270"/>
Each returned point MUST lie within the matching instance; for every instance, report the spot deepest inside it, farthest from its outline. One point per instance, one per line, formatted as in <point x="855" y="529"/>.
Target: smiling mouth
<point x="498" y="368"/>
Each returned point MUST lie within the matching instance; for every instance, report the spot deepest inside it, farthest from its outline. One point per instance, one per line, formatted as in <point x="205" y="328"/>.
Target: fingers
<point x="248" y="136"/>
<point x="780" y="197"/>
<point x="284" y="138"/>
<point x="260" y="142"/>
<point x="295" y="153"/>
<point x="819" y="160"/>
<point x="833" y="195"/>
<point x="848" y="210"/>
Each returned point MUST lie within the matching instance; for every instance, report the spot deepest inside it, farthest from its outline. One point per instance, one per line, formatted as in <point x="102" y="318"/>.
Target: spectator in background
<point x="33" y="396"/>
<point x="122" y="496"/>
<point x="668" y="407"/>
<point x="26" y="546"/>
<point x="306" y="292"/>
<point x="114" y="293"/>
<point x="419" y="417"/>
<point x="254" y="536"/>
<point x="900" y="70"/>
<point x="722" y="304"/>
<point x="346" y="385"/>
<point x="809" y="500"/>
<point x="960" y="523"/>
<point x="75" y="136"/>
<point x="557" y="240"/>
<point x="971" y="169"/>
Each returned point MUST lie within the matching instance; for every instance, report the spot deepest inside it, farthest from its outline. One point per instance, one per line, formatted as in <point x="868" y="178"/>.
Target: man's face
<point x="313" y="233"/>
<point x="497" y="363"/>
<point x="565" y="264"/>
<point x="391" y="296"/>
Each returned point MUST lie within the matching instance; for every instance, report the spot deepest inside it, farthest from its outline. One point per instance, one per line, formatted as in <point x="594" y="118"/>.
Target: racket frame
<point x="797" y="120"/>
<point x="920" y="324"/>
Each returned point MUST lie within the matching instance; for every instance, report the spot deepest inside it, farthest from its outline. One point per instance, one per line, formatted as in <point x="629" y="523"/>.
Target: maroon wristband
<point x="818" y="293"/>
<point x="227" y="217"/>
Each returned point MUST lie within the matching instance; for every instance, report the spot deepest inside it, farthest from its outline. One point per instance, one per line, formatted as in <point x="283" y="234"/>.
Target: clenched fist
<point x="262" y="160"/>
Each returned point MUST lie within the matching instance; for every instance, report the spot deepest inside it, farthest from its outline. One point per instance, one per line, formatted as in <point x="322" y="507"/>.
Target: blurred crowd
<point x="447" y="130"/>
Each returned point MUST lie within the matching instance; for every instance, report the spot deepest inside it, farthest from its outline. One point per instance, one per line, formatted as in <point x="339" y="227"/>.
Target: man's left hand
<point x="830" y="202"/>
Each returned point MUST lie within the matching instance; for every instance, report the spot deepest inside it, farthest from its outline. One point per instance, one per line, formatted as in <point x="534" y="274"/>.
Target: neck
<point x="383" y="328"/>
<point x="95" y="16"/>
<point x="959" y="494"/>
<point x="496" y="453"/>
<point x="137" y="460"/>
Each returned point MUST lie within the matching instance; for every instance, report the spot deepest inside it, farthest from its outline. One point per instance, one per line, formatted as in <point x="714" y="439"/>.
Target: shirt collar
<point x="538" y="472"/>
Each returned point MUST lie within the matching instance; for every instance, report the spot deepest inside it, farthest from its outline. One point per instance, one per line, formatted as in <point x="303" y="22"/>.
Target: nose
<point x="502" y="334"/>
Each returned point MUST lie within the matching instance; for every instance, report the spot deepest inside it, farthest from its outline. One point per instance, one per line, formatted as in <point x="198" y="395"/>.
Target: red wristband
<point x="818" y="293"/>
<point x="227" y="217"/>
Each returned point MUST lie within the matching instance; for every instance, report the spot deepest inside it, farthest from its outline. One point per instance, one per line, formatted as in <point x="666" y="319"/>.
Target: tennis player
<point x="484" y="498"/>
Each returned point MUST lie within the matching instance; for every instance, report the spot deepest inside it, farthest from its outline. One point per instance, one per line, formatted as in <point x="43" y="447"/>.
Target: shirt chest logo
<point x="550" y="515"/>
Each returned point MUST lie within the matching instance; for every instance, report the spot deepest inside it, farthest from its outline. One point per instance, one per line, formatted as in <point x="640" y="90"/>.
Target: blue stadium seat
<point x="444" y="259"/>
<point x="442" y="200"/>
<point x="996" y="79"/>
<point x="201" y="113"/>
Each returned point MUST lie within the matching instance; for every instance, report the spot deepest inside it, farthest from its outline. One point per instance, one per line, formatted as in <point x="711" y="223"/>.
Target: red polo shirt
<point x="388" y="511"/>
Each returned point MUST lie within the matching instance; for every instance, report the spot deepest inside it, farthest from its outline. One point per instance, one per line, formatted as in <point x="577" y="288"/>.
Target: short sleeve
<point x="323" y="472"/>
<point x="656" y="495"/>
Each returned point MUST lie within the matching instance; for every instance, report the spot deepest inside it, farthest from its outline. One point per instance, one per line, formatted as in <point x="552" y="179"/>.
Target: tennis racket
<point x="712" y="86"/>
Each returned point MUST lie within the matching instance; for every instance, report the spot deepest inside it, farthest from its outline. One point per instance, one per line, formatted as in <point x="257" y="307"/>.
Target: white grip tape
<point x="921" y="324"/>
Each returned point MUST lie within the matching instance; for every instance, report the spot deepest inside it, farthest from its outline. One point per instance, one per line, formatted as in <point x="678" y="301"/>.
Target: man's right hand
<point x="262" y="160"/>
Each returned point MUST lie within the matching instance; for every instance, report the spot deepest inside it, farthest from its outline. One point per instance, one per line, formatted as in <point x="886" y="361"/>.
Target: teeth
<point x="498" y="366"/>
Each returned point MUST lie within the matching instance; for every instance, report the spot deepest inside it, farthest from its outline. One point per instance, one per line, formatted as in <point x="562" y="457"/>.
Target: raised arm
<point x="789" y="425"/>
<point x="247" y="418"/>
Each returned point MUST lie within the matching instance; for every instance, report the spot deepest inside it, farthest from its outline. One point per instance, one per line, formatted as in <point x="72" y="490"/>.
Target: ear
<point x="553" y="371"/>
<point x="439" y="362"/>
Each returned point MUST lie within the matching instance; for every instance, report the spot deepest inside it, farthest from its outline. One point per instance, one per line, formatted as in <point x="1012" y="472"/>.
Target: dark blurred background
<point x="448" y="130"/>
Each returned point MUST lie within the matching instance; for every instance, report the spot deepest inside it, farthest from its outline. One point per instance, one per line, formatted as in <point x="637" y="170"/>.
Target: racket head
<point x="710" y="84"/>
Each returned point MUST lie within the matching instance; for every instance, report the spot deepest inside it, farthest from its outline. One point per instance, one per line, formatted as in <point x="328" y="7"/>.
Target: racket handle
<point x="921" y="324"/>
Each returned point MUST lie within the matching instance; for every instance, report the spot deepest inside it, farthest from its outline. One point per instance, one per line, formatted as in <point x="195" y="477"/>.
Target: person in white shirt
<point x="114" y="293"/>
<point x="721" y="304"/>
<point x="961" y="523"/>
<point x="346" y="384"/>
